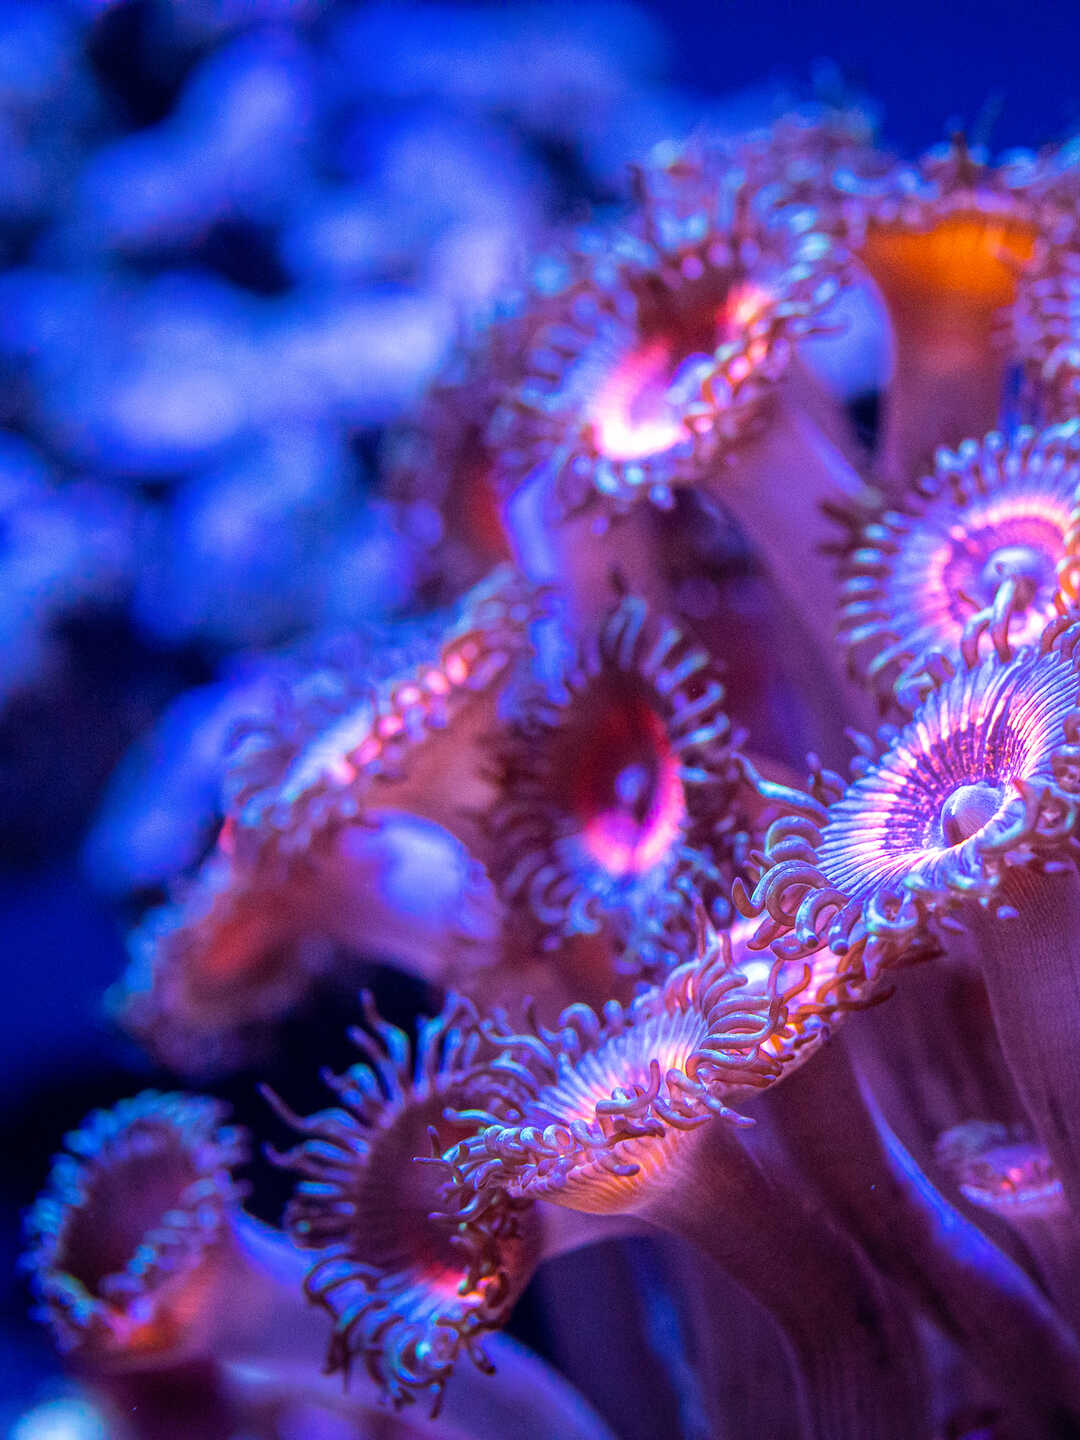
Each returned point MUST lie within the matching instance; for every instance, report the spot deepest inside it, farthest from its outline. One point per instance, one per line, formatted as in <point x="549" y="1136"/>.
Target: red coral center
<point x="626" y="789"/>
<point x="395" y="1197"/>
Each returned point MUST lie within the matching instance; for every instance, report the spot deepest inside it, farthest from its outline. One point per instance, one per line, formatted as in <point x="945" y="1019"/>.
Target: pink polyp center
<point x="923" y="810"/>
<point x="1019" y="539"/>
<point x="614" y="1080"/>
<point x="636" y="407"/>
<point x="999" y="1168"/>
<point x="626" y="790"/>
<point x="1017" y="1169"/>
<point x="1027" y="566"/>
<point x="632" y="412"/>
<point x="1015" y="1177"/>
<point x="967" y="810"/>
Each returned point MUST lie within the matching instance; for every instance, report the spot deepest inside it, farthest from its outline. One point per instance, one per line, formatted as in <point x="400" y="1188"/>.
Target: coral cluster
<point x="676" y="962"/>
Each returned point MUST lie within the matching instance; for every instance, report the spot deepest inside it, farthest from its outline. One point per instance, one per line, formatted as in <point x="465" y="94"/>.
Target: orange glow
<point x="457" y="669"/>
<point x="742" y="307"/>
<point x="970" y="258"/>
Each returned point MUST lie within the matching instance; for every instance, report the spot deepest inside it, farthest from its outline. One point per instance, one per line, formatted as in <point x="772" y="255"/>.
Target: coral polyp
<point x="951" y="224"/>
<point x="983" y="776"/>
<point x="130" y="1237"/>
<point x="296" y="866"/>
<point x="667" y="355"/>
<point x="946" y="241"/>
<point x="409" y="1292"/>
<point x="599" y="1106"/>
<point x="346" y="742"/>
<point x="614" y="779"/>
<point x="1001" y="1168"/>
<point x="209" y="973"/>
<point x="986" y="545"/>
<point x="818" y="991"/>
<point x="629" y="1112"/>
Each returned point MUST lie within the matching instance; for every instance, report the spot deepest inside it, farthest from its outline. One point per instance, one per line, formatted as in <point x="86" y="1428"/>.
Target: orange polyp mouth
<point x="627" y="790"/>
<point x="970" y="259"/>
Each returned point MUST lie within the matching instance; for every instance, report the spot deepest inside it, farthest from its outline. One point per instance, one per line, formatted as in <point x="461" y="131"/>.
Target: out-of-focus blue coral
<point x="241" y="553"/>
<point x="62" y="548"/>
<point x="553" y="72"/>
<point x="50" y="112"/>
<point x="239" y="145"/>
<point x="137" y="380"/>
<point x="162" y="806"/>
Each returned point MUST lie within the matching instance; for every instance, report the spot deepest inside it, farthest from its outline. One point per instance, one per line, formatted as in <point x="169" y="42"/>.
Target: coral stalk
<point x="778" y="484"/>
<point x="943" y="1262"/>
<point x="587" y="556"/>
<point x="1033" y="976"/>
<point x="948" y="378"/>
<point x="1002" y="1171"/>
<point x="523" y="1397"/>
<point x="621" y="1116"/>
<point x="854" y="1348"/>
<point x="930" y="1056"/>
